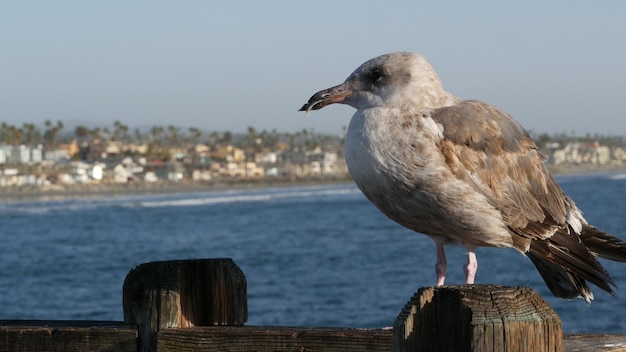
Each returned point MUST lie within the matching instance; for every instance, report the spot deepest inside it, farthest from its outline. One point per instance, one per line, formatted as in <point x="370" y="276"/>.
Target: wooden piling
<point x="183" y="293"/>
<point x="479" y="318"/>
<point x="200" y="305"/>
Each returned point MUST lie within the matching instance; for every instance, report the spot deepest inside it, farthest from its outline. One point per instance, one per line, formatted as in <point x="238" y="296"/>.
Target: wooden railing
<point x="201" y="305"/>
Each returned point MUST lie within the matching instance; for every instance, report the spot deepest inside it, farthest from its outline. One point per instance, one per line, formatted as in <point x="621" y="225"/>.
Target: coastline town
<point x="35" y="160"/>
<point x="48" y="160"/>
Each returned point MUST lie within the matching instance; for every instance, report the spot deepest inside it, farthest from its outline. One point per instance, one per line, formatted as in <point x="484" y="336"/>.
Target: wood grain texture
<point x="67" y="336"/>
<point x="477" y="318"/>
<point x="183" y="293"/>
<point x="74" y="335"/>
<point x="253" y="338"/>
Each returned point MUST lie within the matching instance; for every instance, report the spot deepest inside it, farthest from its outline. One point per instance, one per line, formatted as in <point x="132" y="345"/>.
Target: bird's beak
<point x="336" y="94"/>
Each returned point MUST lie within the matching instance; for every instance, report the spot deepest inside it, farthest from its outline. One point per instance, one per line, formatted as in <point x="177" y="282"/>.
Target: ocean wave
<point x="177" y="199"/>
<point x="51" y="206"/>
<point x="202" y="201"/>
<point x="617" y="177"/>
<point x="212" y="199"/>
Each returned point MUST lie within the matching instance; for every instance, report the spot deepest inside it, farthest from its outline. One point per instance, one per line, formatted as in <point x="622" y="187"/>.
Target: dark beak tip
<point x="304" y="107"/>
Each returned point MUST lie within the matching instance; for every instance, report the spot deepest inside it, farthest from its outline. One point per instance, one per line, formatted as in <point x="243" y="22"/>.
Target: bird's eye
<point x="375" y="75"/>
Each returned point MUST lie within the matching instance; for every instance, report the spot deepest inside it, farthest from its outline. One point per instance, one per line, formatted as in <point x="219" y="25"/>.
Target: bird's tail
<point x="566" y="262"/>
<point x="603" y="244"/>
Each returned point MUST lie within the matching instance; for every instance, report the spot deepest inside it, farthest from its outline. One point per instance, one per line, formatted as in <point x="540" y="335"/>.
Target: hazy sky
<point x="557" y="66"/>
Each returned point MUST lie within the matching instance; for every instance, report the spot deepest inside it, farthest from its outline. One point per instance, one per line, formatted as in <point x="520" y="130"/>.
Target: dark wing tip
<point x="603" y="244"/>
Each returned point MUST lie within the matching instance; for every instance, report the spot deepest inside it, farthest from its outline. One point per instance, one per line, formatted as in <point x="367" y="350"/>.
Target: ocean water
<point x="312" y="256"/>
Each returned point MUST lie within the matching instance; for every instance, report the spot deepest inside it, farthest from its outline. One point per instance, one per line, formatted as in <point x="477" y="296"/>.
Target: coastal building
<point x="36" y="154"/>
<point x="266" y="158"/>
<point x="6" y="152"/>
<point x="21" y="154"/>
<point x="119" y="162"/>
<point x="79" y="172"/>
<point x="201" y="175"/>
<point x="619" y="155"/>
<point x="121" y="174"/>
<point x="252" y="170"/>
<point x="72" y="148"/>
<point x="582" y="153"/>
<point x="56" y="155"/>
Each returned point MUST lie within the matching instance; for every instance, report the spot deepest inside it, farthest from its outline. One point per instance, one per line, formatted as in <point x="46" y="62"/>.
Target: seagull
<point x="463" y="172"/>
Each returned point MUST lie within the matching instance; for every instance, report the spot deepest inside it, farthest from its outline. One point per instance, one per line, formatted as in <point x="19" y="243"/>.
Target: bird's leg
<point x="471" y="266"/>
<point x="441" y="265"/>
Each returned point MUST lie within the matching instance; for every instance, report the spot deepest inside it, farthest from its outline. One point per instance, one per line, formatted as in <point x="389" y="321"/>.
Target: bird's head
<point x="397" y="80"/>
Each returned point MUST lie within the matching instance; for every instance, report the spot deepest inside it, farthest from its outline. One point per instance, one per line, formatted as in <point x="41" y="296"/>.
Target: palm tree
<point x="81" y="132"/>
<point x="4" y="133"/>
<point x="31" y="134"/>
<point x="120" y="131"/>
<point x="251" y="137"/>
<point x="95" y="133"/>
<point x="291" y="138"/>
<point x="272" y="139"/>
<point x="156" y="133"/>
<point x="15" y="135"/>
<point x="227" y="137"/>
<point x="173" y="135"/>
<point x="196" y="135"/>
<point x="52" y="131"/>
<point x="138" y="136"/>
<point x="10" y="134"/>
<point x="214" y="138"/>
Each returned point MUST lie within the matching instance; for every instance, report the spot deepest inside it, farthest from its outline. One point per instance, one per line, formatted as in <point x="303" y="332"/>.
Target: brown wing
<point x="487" y="148"/>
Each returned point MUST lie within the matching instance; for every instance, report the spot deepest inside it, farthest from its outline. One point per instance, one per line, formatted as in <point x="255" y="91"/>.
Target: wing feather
<point x="485" y="146"/>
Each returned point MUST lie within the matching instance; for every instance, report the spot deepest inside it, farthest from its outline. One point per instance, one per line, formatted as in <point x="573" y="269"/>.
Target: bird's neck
<point x="431" y="100"/>
<point x="426" y="93"/>
<point x="445" y="99"/>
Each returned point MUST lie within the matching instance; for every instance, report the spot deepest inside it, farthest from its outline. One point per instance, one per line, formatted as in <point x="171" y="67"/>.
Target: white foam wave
<point x="618" y="177"/>
<point x="203" y="201"/>
<point x="240" y="198"/>
<point x="174" y="200"/>
<point x="38" y="208"/>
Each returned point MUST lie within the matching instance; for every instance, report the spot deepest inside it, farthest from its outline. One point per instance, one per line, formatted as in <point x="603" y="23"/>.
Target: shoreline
<point x="102" y="190"/>
<point x="566" y="169"/>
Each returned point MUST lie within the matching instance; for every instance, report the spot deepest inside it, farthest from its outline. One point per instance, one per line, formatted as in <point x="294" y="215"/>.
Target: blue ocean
<point x="312" y="255"/>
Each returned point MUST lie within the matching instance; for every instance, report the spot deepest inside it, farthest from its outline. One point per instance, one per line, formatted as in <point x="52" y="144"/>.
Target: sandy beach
<point x="58" y="192"/>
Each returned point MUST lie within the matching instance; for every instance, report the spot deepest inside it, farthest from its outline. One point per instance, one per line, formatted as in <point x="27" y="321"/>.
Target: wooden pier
<point x="201" y="305"/>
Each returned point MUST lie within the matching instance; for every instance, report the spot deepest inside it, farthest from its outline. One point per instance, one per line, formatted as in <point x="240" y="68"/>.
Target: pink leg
<point x="471" y="267"/>
<point x="441" y="265"/>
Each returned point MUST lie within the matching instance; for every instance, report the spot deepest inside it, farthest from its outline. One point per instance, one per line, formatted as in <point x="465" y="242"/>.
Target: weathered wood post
<point x="183" y="293"/>
<point x="480" y="318"/>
